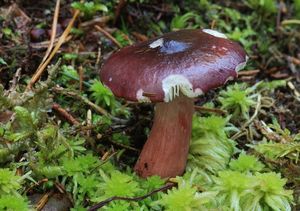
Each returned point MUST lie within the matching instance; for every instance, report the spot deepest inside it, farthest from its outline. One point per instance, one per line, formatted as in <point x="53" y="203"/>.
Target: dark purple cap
<point x="188" y="61"/>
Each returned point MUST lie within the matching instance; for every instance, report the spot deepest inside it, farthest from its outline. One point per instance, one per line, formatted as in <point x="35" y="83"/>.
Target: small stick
<point x="15" y="80"/>
<point x="140" y="36"/>
<point x="44" y="44"/>
<point x="292" y="87"/>
<point x="139" y="198"/>
<point x="65" y="114"/>
<point x="124" y="146"/>
<point x="98" y="56"/>
<point x="98" y="20"/>
<point x="81" y="98"/>
<point x="80" y="69"/>
<point x="105" y="156"/>
<point x="53" y="31"/>
<point x="246" y="78"/>
<point x="109" y="36"/>
<point x="212" y="110"/>
<point x="36" y="184"/>
<point x="60" y="188"/>
<point x="61" y="40"/>
<point x="43" y="201"/>
<point x="248" y="72"/>
<point x="280" y="75"/>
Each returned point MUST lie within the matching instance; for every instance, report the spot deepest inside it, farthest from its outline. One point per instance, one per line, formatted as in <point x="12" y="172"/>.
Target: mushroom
<point x="170" y="71"/>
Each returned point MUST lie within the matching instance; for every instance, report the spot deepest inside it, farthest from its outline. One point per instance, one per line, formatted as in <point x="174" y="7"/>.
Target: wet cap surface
<point x="188" y="61"/>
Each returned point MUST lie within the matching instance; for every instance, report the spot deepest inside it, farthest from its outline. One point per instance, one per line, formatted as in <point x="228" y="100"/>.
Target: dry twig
<point x="53" y="32"/>
<point x="65" y="114"/>
<point x="75" y="95"/>
<point x="248" y="72"/>
<point x="140" y="37"/>
<point x="61" y="40"/>
<point x="43" y="201"/>
<point x="139" y="198"/>
<point x="108" y="35"/>
<point x="211" y="110"/>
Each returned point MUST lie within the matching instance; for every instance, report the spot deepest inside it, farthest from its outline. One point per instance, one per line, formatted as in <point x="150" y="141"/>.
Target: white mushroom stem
<point x="166" y="150"/>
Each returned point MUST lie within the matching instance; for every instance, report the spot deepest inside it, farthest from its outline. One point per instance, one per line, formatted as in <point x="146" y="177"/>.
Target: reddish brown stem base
<point x="165" y="152"/>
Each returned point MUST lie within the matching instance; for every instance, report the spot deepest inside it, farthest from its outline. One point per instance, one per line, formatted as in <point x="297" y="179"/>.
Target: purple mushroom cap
<point x="188" y="61"/>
